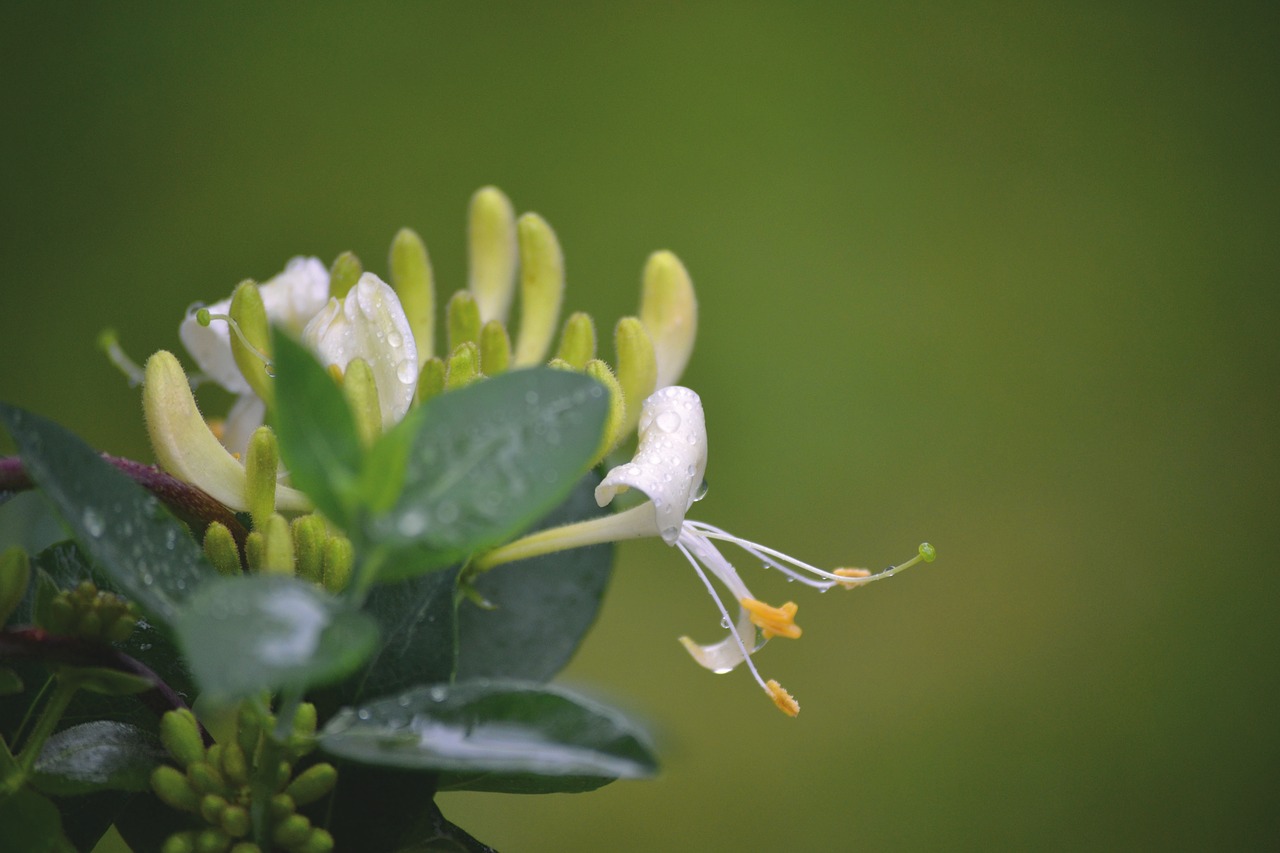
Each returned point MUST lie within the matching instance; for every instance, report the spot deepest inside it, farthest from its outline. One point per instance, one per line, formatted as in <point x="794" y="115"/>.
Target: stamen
<point x="786" y="703"/>
<point x="204" y="318"/>
<point x="851" y="573"/>
<point x="724" y="615"/>
<point x="773" y="621"/>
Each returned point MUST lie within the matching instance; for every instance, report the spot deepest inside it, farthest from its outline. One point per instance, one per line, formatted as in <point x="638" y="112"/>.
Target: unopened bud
<point x="180" y="734"/>
<point x="495" y="348"/>
<point x="251" y="339"/>
<point x="578" y="340"/>
<point x="261" y="467"/>
<point x="412" y="281"/>
<point x="637" y="369"/>
<point x="309" y="535"/>
<point x="313" y="783"/>
<point x="463" y="367"/>
<point x="491" y="249"/>
<point x="361" y="393"/>
<point x="541" y="288"/>
<point x="462" y="320"/>
<point x="430" y="379"/>
<point x="339" y="558"/>
<point x="344" y="274"/>
<point x="613" y="422"/>
<point x="174" y="789"/>
<point x="220" y="547"/>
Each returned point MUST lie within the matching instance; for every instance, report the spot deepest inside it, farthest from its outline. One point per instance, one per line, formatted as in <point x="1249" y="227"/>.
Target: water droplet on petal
<point x="437" y="694"/>
<point x="407" y="371"/>
<point x="667" y="421"/>
<point x="93" y="523"/>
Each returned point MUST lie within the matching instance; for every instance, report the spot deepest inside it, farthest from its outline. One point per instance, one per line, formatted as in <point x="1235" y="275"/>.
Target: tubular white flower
<point x="668" y="468"/>
<point x="291" y="298"/>
<point x="370" y="324"/>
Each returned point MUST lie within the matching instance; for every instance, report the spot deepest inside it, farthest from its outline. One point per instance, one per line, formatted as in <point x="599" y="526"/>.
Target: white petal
<point x="210" y="346"/>
<point x="728" y="653"/>
<point x="370" y="324"/>
<point x="291" y="299"/>
<point x="245" y="416"/>
<point x="294" y="296"/>
<point x="669" y="461"/>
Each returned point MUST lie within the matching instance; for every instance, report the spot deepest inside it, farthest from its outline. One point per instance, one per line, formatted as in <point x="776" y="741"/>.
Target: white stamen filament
<point x="724" y="615"/>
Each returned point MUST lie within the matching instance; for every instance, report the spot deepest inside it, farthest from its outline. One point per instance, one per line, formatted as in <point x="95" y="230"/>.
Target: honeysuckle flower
<point x="668" y="468"/>
<point x="291" y="299"/>
<point x="369" y="323"/>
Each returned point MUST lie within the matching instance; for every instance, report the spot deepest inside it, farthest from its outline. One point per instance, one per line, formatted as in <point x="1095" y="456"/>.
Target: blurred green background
<point x="998" y="275"/>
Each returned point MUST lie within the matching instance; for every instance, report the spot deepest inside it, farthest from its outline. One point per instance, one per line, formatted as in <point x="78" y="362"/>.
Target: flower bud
<point x="412" y="281"/>
<point x="220" y="547"/>
<point x="637" y="369"/>
<point x="361" y="393"/>
<point x="309" y="535"/>
<point x="578" y="340"/>
<point x="541" y="288"/>
<point x="339" y="558"/>
<point x="463" y="367"/>
<point x="669" y="311"/>
<point x="261" y="466"/>
<point x="174" y="789"/>
<point x="491" y="250"/>
<point x="600" y="372"/>
<point x="462" y="320"/>
<point x="430" y="379"/>
<point x="251" y="339"/>
<point x="344" y="274"/>
<point x="180" y="734"/>
<point x="313" y="783"/>
<point x="291" y="831"/>
<point x="495" y="348"/>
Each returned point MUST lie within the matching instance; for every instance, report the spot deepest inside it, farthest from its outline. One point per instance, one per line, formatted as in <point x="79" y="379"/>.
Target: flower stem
<point x="635" y="523"/>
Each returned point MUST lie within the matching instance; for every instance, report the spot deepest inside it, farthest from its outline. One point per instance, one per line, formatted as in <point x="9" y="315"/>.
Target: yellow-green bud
<point x="313" y="783"/>
<point x="309" y="535"/>
<point x="212" y="841"/>
<point x="120" y="627"/>
<point x="255" y="549"/>
<point x="261" y="467"/>
<point x="180" y="842"/>
<point x="180" y="734"/>
<point x="361" y="393"/>
<point x="234" y="821"/>
<point x="430" y="379"/>
<point x="600" y="372"/>
<point x="206" y="779"/>
<point x="251" y="346"/>
<point x="463" y="368"/>
<point x="60" y="617"/>
<point x="578" y="340"/>
<point x="15" y="576"/>
<point x="637" y="369"/>
<point x="561" y="364"/>
<point x="248" y="730"/>
<point x="344" y="274"/>
<point x="291" y="831"/>
<point x="277" y="554"/>
<point x="304" y="722"/>
<point x="491" y="249"/>
<point x="339" y="558"/>
<point x="234" y="765"/>
<point x="174" y="789"/>
<point x="281" y="806"/>
<point x="212" y="806"/>
<point x="541" y="288"/>
<point x="462" y="320"/>
<point x="495" y="348"/>
<point x="412" y="280"/>
<point x="319" y="841"/>
<point x="669" y="311"/>
<point x="220" y="548"/>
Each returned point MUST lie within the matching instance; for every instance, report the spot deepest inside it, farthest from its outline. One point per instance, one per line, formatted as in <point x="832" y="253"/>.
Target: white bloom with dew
<point x="369" y="324"/>
<point x="668" y="468"/>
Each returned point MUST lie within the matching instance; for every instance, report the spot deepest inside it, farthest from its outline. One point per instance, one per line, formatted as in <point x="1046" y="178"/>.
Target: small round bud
<point x="233" y="764"/>
<point x="282" y="806"/>
<point x="174" y="789"/>
<point x="313" y="783"/>
<point x="205" y="779"/>
<point x="291" y="831"/>
<point x="212" y="841"/>
<point x="235" y="821"/>
<point x="927" y="552"/>
<point x="319" y="841"/>
<point x="211" y="807"/>
<point x="180" y="842"/>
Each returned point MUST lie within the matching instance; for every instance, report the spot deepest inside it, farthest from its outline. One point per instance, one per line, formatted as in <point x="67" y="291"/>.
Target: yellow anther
<point x="773" y="621"/>
<point x="851" y="573"/>
<point x="786" y="703"/>
<point x="336" y="373"/>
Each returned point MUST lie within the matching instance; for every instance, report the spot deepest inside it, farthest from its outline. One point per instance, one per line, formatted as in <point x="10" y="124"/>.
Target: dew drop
<point x="405" y="700"/>
<point x="701" y="491"/>
<point x="438" y="693"/>
<point x="363" y="714"/>
<point x="411" y="523"/>
<point x="93" y="523"/>
<point x="407" y="371"/>
<point x="667" y="421"/>
<point x="394" y="340"/>
<point x="724" y="623"/>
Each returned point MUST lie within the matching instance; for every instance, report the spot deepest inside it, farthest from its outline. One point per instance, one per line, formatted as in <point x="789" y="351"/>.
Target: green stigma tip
<point x="203" y="317"/>
<point x="927" y="552"/>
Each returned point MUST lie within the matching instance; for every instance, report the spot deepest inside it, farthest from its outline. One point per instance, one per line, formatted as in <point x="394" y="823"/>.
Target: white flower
<point x="291" y="299"/>
<point x="369" y="324"/>
<point x="668" y="468"/>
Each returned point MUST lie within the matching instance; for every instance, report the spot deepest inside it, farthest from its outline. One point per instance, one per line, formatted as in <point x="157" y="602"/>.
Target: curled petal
<point x="669" y="461"/>
<point x="370" y="324"/>
<point x="186" y="448"/>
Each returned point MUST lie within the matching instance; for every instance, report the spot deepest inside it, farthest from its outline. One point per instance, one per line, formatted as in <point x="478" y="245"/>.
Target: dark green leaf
<point x="543" y="607"/>
<point x="98" y="756"/>
<point x="317" y="434"/>
<point x="31" y="824"/>
<point x="248" y="634"/>
<point x="487" y="461"/>
<point x="28" y="519"/>
<point x="418" y="636"/>
<point x="499" y="727"/>
<point x="144" y="549"/>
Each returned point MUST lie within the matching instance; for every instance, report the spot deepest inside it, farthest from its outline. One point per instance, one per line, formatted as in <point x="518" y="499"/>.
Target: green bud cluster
<point x="89" y="614"/>
<point x="216" y="784"/>
<point x="307" y="547"/>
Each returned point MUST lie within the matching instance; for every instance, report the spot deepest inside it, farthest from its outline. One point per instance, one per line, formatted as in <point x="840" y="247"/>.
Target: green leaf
<point x="98" y="756"/>
<point x="487" y="461"/>
<point x="31" y="825"/>
<point x="417" y="624"/>
<point x="248" y="634"/>
<point x="543" y="606"/>
<point x="493" y="727"/>
<point x="141" y="547"/>
<point x="317" y="433"/>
